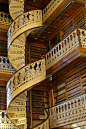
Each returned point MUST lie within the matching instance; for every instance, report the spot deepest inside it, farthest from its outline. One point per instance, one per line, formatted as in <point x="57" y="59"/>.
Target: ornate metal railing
<point x="25" y="78"/>
<point x="5" y="66"/>
<point x="68" y="112"/>
<point x="5" y="123"/>
<point x="23" y="23"/>
<point x="50" y="8"/>
<point x="5" y="19"/>
<point x="62" y="49"/>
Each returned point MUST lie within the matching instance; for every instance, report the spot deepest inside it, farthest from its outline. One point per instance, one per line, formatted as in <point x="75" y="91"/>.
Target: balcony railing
<point x="26" y="77"/>
<point x="5" y="66"/>
<point x="5" y="19"/>
<point x="50" y="8"/>
<point x="68" y="112"/>
<point x="23" y="23"/>
<point x="74" y="40"/>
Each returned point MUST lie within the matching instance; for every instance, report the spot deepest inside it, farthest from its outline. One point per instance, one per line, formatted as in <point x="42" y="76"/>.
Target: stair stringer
<point x="23" y="80"/>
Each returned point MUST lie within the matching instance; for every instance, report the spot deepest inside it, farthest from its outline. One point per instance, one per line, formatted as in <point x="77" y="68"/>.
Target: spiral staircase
<point x="26" y="76"/>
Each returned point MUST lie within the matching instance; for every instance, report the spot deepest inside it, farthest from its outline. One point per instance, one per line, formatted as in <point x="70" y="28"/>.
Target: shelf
<point x="74" y="94"/>
<point x="73" y="87"/>
<point x="38" y="113"/>
<point x="40" y="95"/>
<point x="39" y="101"/>
<point x="61" y="100"/>
<point x="39" y="107"/>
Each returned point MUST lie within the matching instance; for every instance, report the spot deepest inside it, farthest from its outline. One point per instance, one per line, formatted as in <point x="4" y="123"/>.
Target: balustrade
<point x="23" y="23"/>
<point x="5" y="122"/>
<point x="5" y="19"/>
<point x="82" y="33"/>
<point x="50" y="8"/>
<point x="5" y="66"/>
<point x="25" y="78"/>
<point x="62" y="49"/>
<point x="71" y="111"/>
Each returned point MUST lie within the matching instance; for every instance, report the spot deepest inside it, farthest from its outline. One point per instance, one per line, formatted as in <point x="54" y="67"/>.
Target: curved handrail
<point x="25" y="78"/>
<point x="23" y="23"/>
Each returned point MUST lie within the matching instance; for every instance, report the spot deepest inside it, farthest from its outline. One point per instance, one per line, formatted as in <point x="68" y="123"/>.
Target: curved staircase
<point x="26" y="76"/>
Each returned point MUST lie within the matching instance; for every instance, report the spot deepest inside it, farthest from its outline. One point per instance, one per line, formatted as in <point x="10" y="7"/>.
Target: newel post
<point x="78" y="36"/>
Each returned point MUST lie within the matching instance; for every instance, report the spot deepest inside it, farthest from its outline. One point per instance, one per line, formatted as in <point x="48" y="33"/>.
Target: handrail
<point x="50" y="8"/>
<point x="23" y="79"/>
<point x="23" y="23"/>
<point x="68" y="112"/>
<point x="62" y="49"/>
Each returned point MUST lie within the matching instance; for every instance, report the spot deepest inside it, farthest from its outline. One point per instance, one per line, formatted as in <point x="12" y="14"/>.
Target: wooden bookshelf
<point x="39" y="103"/>
<point x="61" y="92"/>
<point x="80" y="20"/>
<point x="3" y="95"/>
<point x="83" y="77"/>
<point x="73" y="85"/>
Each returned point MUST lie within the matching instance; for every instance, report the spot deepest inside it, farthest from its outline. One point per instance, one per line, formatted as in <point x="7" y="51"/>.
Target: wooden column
<point x="73" y="24"/>
<point x="29" y="55"/>
<point x="61" y="33"/>
<point x="78" y="36"/>
<point x="49" y="46"/>
<point x="66" y="90"/>
<point x="26" y="52"/>
<point x="31" y="108"/>
<point x="81" y="81"/>
<point x="51" y="98"/>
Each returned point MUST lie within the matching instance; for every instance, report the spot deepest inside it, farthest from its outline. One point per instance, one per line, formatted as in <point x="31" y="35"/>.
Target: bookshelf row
<point x="70" y="87"/>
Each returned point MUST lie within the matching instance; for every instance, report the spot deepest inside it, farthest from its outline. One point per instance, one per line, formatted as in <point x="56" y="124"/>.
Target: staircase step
<point x="19" y="41"/>
<point x="21" y="122"/>
<point x="16" y="109"/>
<point x="15" y="14"/>
<point x="17" y="102"/>
<point x="17" y="46"/>
<point x="16" y="7"/>
<point x="18" y="116"/>
<point x="17" y="1"/>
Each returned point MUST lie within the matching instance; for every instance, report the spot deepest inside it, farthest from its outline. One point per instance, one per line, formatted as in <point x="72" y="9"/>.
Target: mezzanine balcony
<point x="70" y="49"/>
<point x="68" y="112"/>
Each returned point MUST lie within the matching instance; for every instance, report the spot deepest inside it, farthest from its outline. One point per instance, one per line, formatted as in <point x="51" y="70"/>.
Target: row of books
<point x="38" y="110"/>
<point x="3" y="107"/>
<point x="2" y="95"/>
<point x="38" y="92"/>
<point x="38" y="98"/>
<point x="3" y="101"/>
<point x="79" y="17"/>
<point x="2" y="89"/>
<point x="76" y="90"/>
<point x="83" y="76"/>
<point x="38" y="104"/>
<point x="72" y="77"/>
